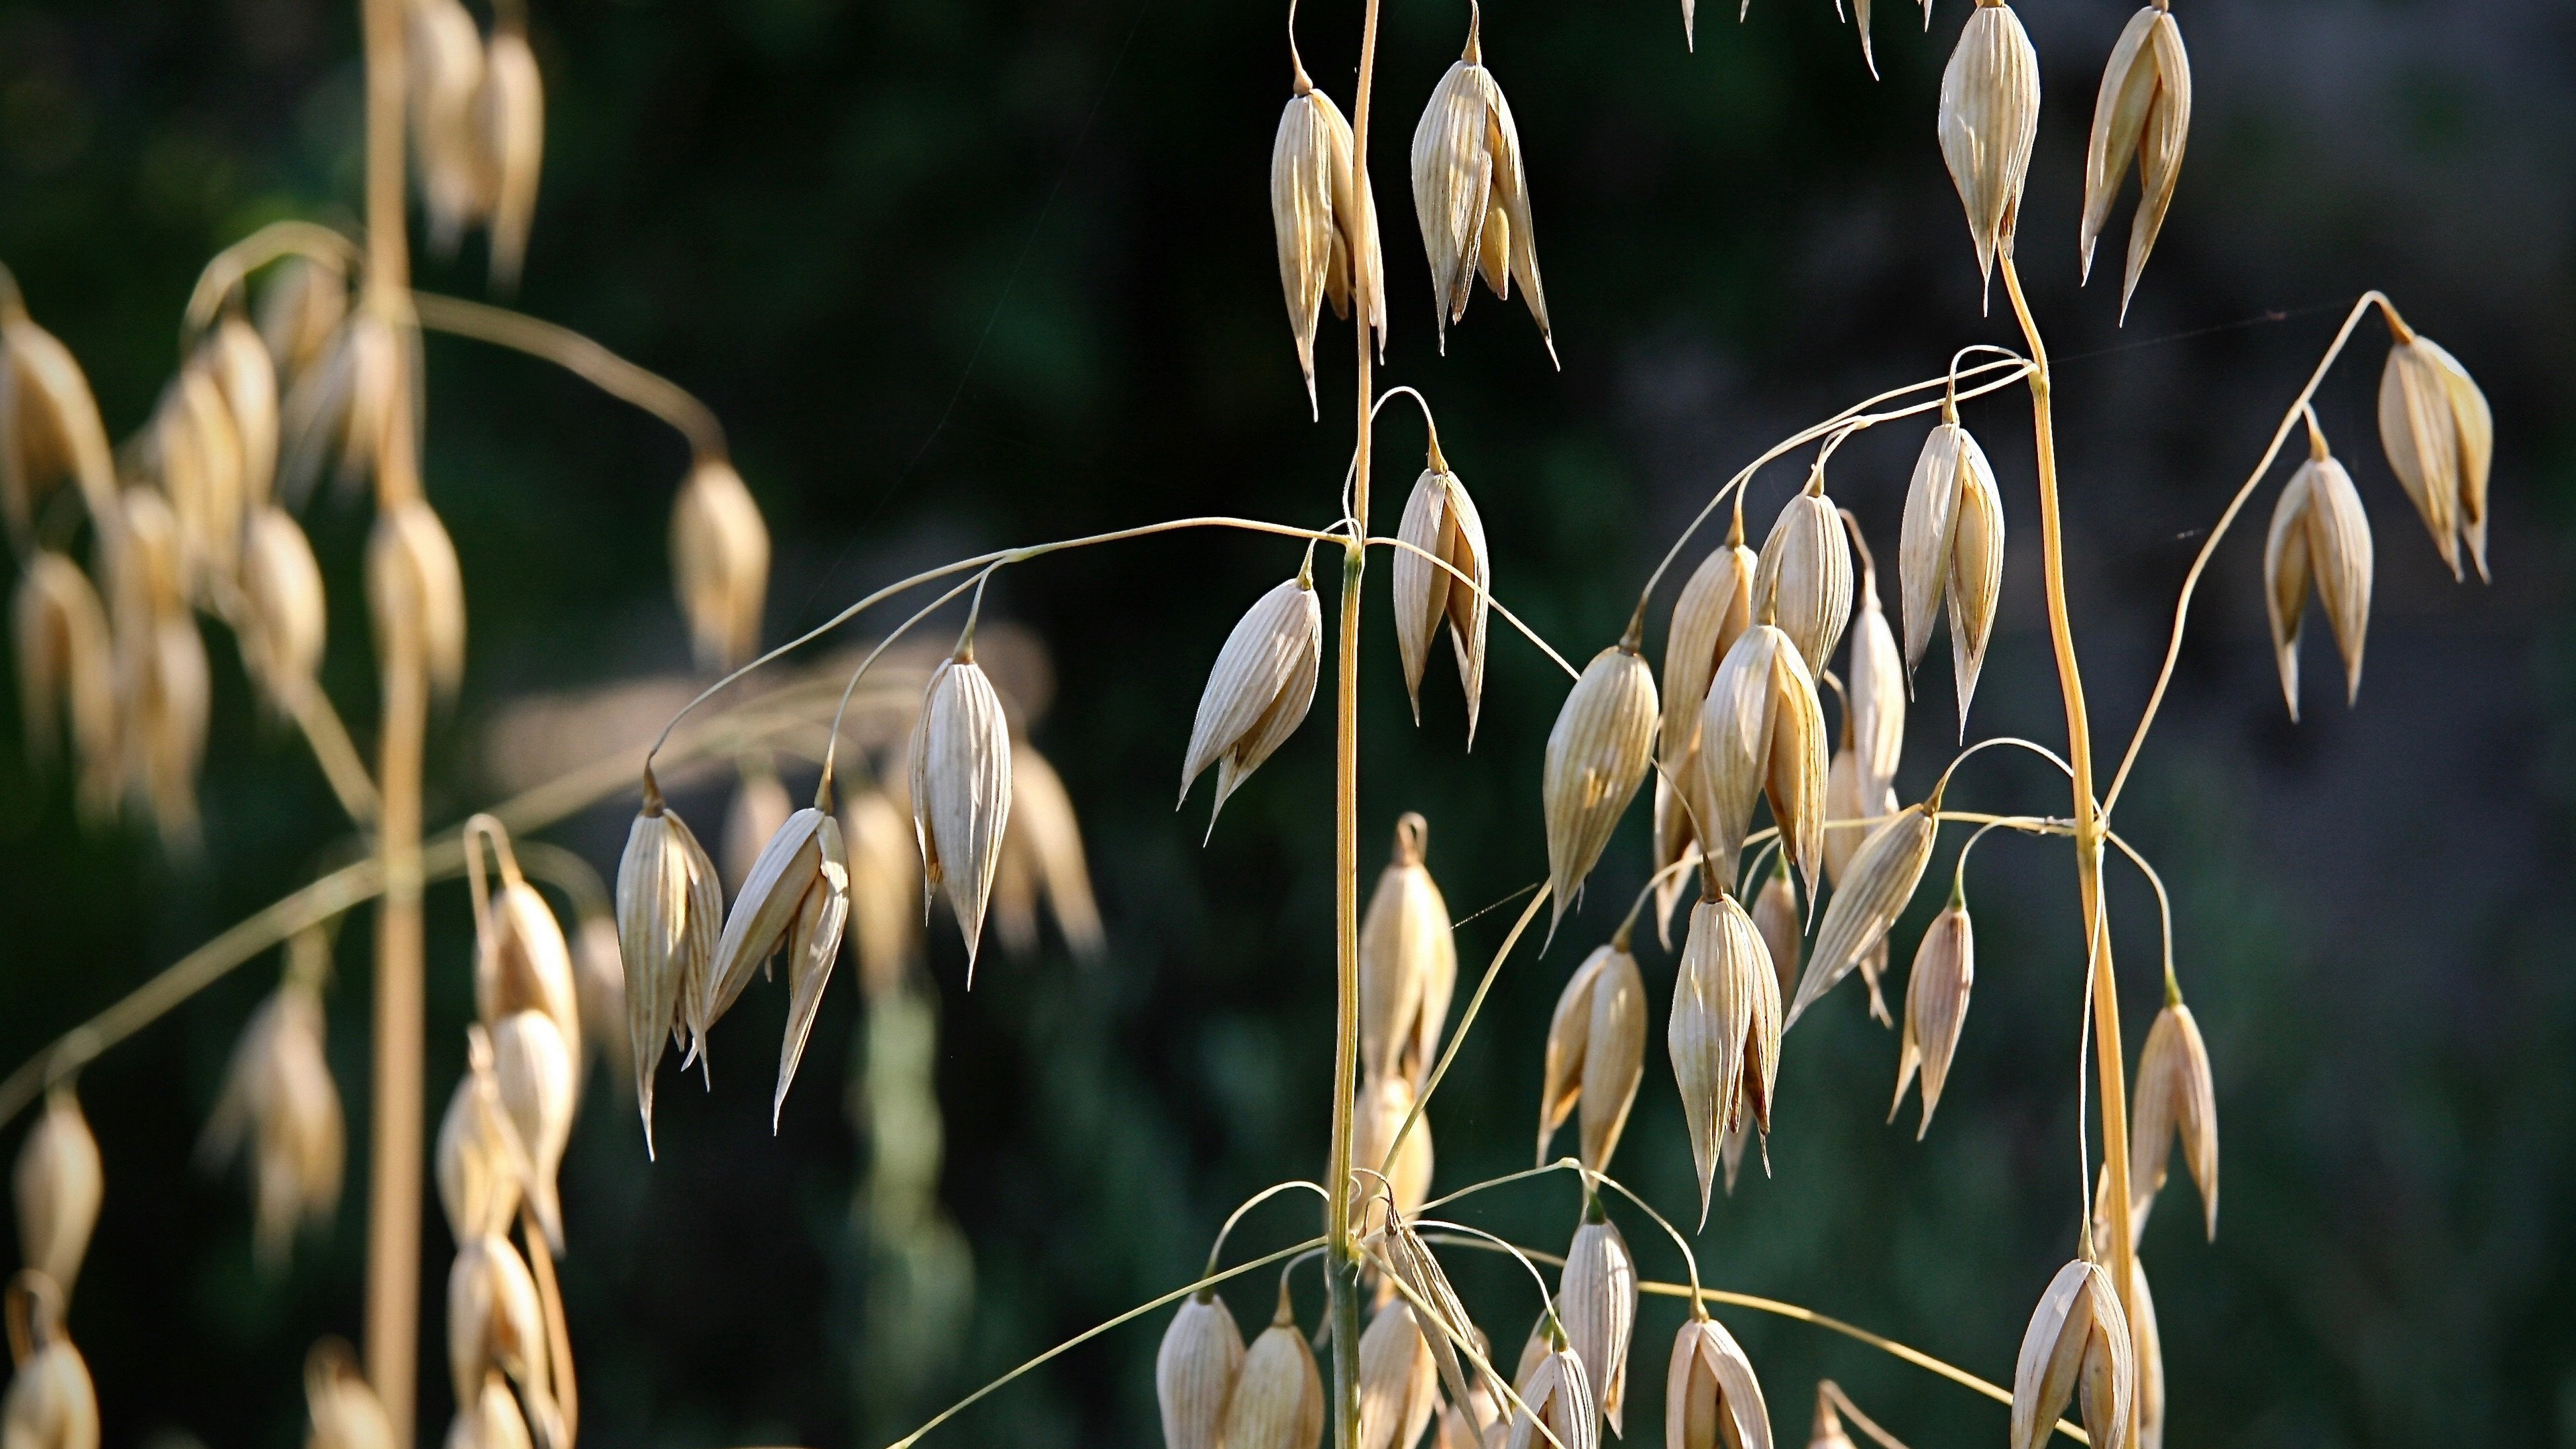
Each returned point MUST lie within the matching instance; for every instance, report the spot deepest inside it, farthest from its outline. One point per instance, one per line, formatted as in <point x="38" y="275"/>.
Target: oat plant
<point x="1779" y="840"/>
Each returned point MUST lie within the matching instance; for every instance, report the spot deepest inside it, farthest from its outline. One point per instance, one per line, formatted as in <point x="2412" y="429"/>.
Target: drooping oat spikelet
<point x="278" y="1095"/>
<point x="1441" y="521"/>
<point x="197" y="453"/>
<point x="1470" y="195"/>
<point x="51" y="1403"/>
<point x="344" y="1412"/>
<point x="284" y="626"/>
<point x="1412" y="1262"/>
<point x="1827" y="1432"/>
<point x="1278" y="1399"/>
<point x="481" y="1165"/>
<point x="1260" y="689"/>
<point x="719" y="564"/>
<point x="1558" y="1394"/>
<point x="1850" y="814"/>
<point x="50" y="430"/>
<point x="59" y="1185"/>
<point x="2321" y="536"/>
<point x="961" y="790"/>
<point x="2440" y="438"/>
<point x="168" y="700"/>
<point x="1952" y="552"/>
<point x="493" y="1318"/>
<point x="300" y="312"/>
<point x="1762" y="733"/>
<point x="445" y="51"/>
<point x="533" y="1066"/>
<point x="1403" y="1169"/>
<point x="1597" y="755"/>
<point x="1803" y="581"/>
<point x="796" y="900"/>
<point x="2078" y="1339"/>
<point x="1399" y="1385"/>
<point x="1936" y="1006"/>
<point x="1989" y="116"/>
<point x="1408" y="962"/>
<point x="246" y="378"/>
<point x="150" y="580"/>
<point x="1712" y="1400"/>
<point x="67" y="666"/>
<point x="521" y="961"/>
<point x="2175" y="1095"/>
<point x="1877" y="693"/>
<point x="1328" y="240"/>
<point x="1714" y="608"/>
<point x="416" y="594"/>
<point x="1194" y="1372"/>
<point x="359" y="404"/>
<point x="1597" y="1302"/>
<point x="491" y="1420"/>
<point x="1596" y="1053"/>
<point x="885" y="881"/>
<point x="669" y="911"/>
<point x="1775" y="916"/>
<point x="1883" y="874"/>
<point x="1724" y="1036"/>
<point x="759" y="810"/>
<point x="2143" y="112"/>
<point x="1042" y="856"/>
<point x="510" y="130"/>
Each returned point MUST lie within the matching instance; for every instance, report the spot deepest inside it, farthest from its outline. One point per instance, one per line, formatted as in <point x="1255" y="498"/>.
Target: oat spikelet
<point x="2143" y="113"/>
<point x="278" y="1097"/>
<point x="481" y="1165"/>
<point x="51" y="1403"/>
<point x="1596" y="1053"/>
<point x="2149" y="1341"/>
<point x="493" y="1318"/>
<point x="1278" y="1398"/>
<point x="197" y="453"/>
<point x="1877" y="693"/>
<point x="532" y="1065"/>
<point x="445" y="51"/>
<point x="1775" y="915"/>
<point x="1883" y="874"/>
<point x="1597" y="1301"/>
<point x="1413" y="1264"/>
<point x="1803" y="580"/>
<point x="50" y="430"/>
<point x="670" y="910"/>
<point x="2175" y="1096"/>
<point x="1042" y="856"/>
<point x="510" y="130"/>
<point x="2078" y="1341"/>
<point x="67" y="666"/>
<point x="1714" y="608"/>
<point x="1936" y="1007"/>
<point x="415" y="592"/>
<point x="1328" y="239"/>
<point x="1952" y="552"/>
<point x="796" y="900"/>
<point x="1405" y="1167"/>
<point x="1399" y="1385"/>
<point x="2320" y="536"/>
<point x="300" y="311"/>
<point x="1712" y="1400"/>
<point x="2440" y="438"/>
<point x="719" y="564"/>
<point x="490" y="1421"/>
<point x="1259" y="690"/>
<point x="59" y="1185"/>
<point x="1194" y="1372"/>
<point x="1988" y="118"/>
<point x="885" y="882"/>
<point x="344" y="1412"/>
<point x="1724" y="1036"/>
<point x="1597" y="755"/>
<point x="961" y="790"/>
<point x="1408" y="962"/>
<point x="246" y="379"/>
<point x="1558" y="1394"/>
<point x="285" y="624"/>
<point x="1470" y="194"/>
<point x="1762" y="734"/>
<point x="1441" y="520"/>
<point x="521" y="960"/>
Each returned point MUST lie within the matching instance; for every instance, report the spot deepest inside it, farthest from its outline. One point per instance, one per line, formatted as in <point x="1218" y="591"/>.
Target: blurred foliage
<point x="958" y="274"/>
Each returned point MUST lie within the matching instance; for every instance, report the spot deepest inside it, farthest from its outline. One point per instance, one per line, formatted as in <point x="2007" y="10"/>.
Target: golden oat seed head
<point x="1413" y="1264"/>
<point x="509" y="128"/>
<point x="1399" y="1386"/>
<point x="1259" y="690"/>
<point x="238" y="360"/>
<point x="1441" y="521"/>
<point x="1319" y="225"/>
<point x="789" y="865"/>
<point x="2077" y="1342"/>
<point x="2439" y="435"/>
<point x="1278" y="1398"/>
<point x="1558" y="1394"/>
<point x="50" y="429"/>
<point x="59" y="1185"/>
<point x="286" y="625"/>
<point x="1827" y="1431"/>
<point x="493" y="1317"/>
<point x="1042" y="857"/>
<point x="533" y="1067"/>
<point x="480" y="1163"/>
<point x="1783" y="930"/>
<point x="1712" y="1399"/>
<point x="1470" y="194"/>
<point x="1597" y="754"/>
<point x="1194" y="1372"/>
<point x="1877" y="693"/>
<point x="51" y="1403"/>
<point x="669" y="910"/>
<point x="1569" y="1035"/>
<point x="1408" y="961"/>
<point x="1405" y="1167"/>
<point x="961" y="790"/>
<point x="67" y="666"/>
<point x="1597" y="1303"/>
<point x="1614" y="1057"/>
<point x="2142" y="114"/>
<point x="445" y="51"/>
<point x="1723" y="1035"/>
<point x="279" y="1097"/>
<point x="299" y="315"/>
<point x="813" y="948"/>
<point x="1882" y="877"/>
<point x="2176" y="1096"/>
<point x="1714" y="609"/>
<point x="416" y="593"/>
<point x="1936" y="1007"/>
<point x="719" y="564"/>
<point x="1989" y="115"/>
<point x="1803" y="579"/>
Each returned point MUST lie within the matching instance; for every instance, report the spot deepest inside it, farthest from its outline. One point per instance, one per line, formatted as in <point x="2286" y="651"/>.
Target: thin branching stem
<point x="225" y="272"/>
<point x="583" y="358"/>
<point x="1851" y="1411"/>
<point x="2164" y="911"/>
<point x="1217" y="1248"/>
<point x="1458" y="1038"/>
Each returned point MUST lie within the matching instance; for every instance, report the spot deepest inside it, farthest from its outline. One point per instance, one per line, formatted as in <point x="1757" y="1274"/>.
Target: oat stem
<point x="2236" y="505"/>
<point x="229" y="268"/>
<point x="2102" y="982"/>
<point x="581" y="357"/>
<point x="1851" y="1411"/>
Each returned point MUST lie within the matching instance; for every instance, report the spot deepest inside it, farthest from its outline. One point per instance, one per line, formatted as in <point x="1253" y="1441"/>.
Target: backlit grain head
<point x="493" y="1318"/>
<point x="1399" y="1384"/>
<point x="1278" y="1398"/>
<point x="278" y="1099"/>
<point x="343" y="1411"/>
<point x="1775" y="915"/>
<point x="1827" y="1429"/>
<point x="1259" y="690"/>
<point x="285" y="624"/>
<point x="2439" y="434"/>
<point x="59" y="1184"/>
<point x="1988" y="118"/>
<point x="2176" y="1096"/>
<point x="1558" y="1393"/>
<point x="1882" y="877"/>
<point x="444" y="49"/>
<point x="2143" y="113"/>
<point x="1951" y="553"/>
<point x="796" y="900"/>
<point x="1597" y="755"/>
<point x="416" y="594"/>
<point x="719" y="564"/>
<point x="2320" y="539"/>
<point x="50" y="431"/>
<point x="235" y="358"/>
<point x="2077" y="1343"/>
<point x="1724" y="1035"/>
<point x="670" y="911"/>
<point x="1326" y="231"/>
<point x="1408" y="962"/>
<point x="509" y="126"/>
<point x="1762" y="734"/>
<point x="1381" y="1165"/>
<point x="51" y="1403"/>
<point x="885" y="889"/>
<point x="481" y="1164"/>
<point x="1936" y="1006"/>
<point x="1441" y="521"/>
<point x="1194" y="1372"/>
<point x="1803" y="579"/>
<point x="1712" y="1399"/>
<point x="532" y="1064"/>
<point x="67" y="669"/>
<point x="961" y="790"/>
<point x="1043" y="860"/>
<point x="1714" y="608"/>
<point x="1470" y="193"/>
<point x="1597" y="1302"/>
<point x="1596" y="1053"/>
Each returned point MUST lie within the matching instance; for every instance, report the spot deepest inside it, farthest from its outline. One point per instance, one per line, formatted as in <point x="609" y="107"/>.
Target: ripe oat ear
<point x="1881" y="879"/>
<point x="1712" y="1398"/>
<point x="1259" y="690"/>
<point x="1471" y="195"/>
<point x="1988" y="118"/>
<point x="1195" y="1372"/>
<point x="59" y="1184"/>
<point x="1597" y="1302"/>
<point x="1597" y="755"/>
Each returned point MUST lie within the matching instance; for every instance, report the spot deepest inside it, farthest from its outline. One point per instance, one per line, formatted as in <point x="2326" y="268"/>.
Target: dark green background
<point x="959" y="273"/>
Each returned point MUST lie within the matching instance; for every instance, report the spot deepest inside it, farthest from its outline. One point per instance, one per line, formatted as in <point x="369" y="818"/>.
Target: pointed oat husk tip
<point x="961" y="791"/>
<point x="2077" y="1345"/>
<point x="1597" y="755"/>
<point x="1988" y="118"/>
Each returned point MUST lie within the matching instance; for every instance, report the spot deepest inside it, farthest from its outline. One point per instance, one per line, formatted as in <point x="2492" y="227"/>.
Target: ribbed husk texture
<point x="1883" y="874"/>
<point x="2176" y="1096"/>
<point x="1441" y="520"/>
<point x="2143" y="113"/>
<point x="961" y="791"/>
<point x="1557" y="1393"/>
<point x="1878" y="686"/>
<point x="1775" y="916"/>
<point x="1988" y="118"/>
<point x="1278" y="1398"/>
<point x="1259" y="690"/>
<point x="2077" y="1343"/>
<point x="1471" y="196"/>
<point x="1399" y="1385"/>
<point x="1712" y="1400"/>
<point x="1724" y="1035"/>
<point x="1408" y="963"/>
<point x="797" y="901"/>
<point x="1327" y="234"/>
<point x="670" y="910"/>
<point x="59" y="1184"/>
<point x="2320" y="539"/>
<point x="1951" y="553"/>
<point x="1384" y="1103"/>
<point x="2439" y="434"/>
<point x="1714" y="609"/>
<point x="1437" y="1310"/>
<point x="533" y="1067"/>
<point x="1936" y="1007"/>
<point x="1597" y="1302"/>
<point x="1596" y="1054"/>
<point x="1194" y="1372"/>
<point x="1597" y="755"/>
<point x="1802" y="581"/>
<point x="1762" y="733"/>
<point x="481" y="1164"/>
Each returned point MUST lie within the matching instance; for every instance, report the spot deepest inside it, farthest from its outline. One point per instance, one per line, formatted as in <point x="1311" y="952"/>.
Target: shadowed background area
<point x="965" y="273"/>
